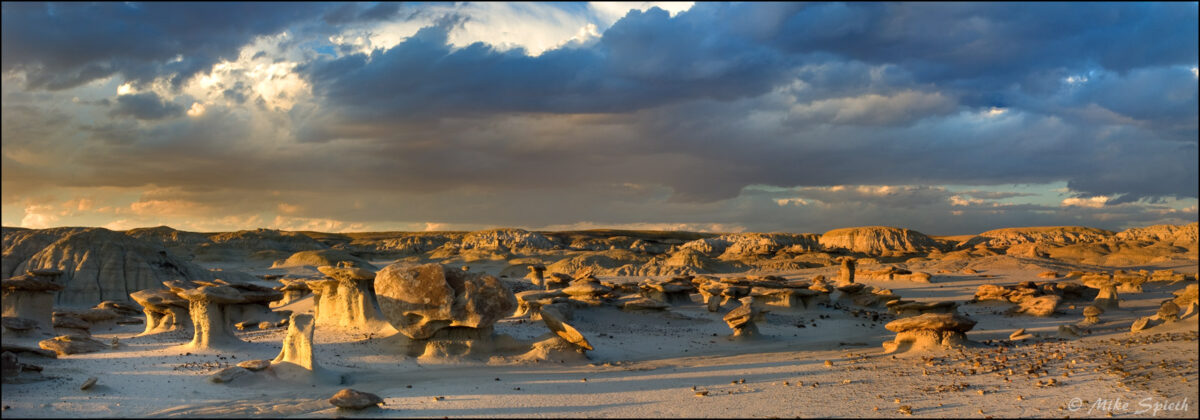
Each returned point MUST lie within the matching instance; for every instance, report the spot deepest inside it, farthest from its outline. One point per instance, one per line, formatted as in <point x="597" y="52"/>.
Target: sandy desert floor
<point x="824" y="362"/>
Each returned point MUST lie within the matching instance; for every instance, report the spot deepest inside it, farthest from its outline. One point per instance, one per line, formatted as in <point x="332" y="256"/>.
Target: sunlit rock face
<point x="878" y="240"/>
<point x="419" y="300"/>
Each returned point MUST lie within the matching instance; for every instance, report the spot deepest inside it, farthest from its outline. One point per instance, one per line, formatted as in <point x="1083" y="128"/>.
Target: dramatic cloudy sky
<point x="945" y="118"/>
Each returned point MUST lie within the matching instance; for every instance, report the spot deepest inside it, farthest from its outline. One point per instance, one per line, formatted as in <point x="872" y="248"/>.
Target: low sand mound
<point x="1063" y="235"/>
<point x="322" y="257"/>
<point x="99" y="264"/>
<point x="879" y="240"/>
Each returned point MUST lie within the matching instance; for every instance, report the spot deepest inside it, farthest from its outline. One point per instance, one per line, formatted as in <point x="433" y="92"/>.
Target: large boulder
<point x="419" y="300"/>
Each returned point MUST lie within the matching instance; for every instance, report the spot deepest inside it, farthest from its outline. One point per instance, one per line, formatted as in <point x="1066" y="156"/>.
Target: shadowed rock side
<point x="99" y="264"/>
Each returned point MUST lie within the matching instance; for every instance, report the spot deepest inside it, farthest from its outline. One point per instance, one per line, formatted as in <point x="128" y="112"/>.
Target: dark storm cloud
<point x="355" y="13"/>
<point x="660" y="120"/>
<point x="145" y="106"/>
<point x="60" y="46"/>
<point x="646" y="59"/>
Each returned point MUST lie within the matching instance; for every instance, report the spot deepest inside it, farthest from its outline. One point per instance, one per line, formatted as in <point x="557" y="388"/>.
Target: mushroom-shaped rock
<point x="554" y="321"/>
<point x="31" y="296"/>
<point x="1107" y="298"/>
<point x="293" y="290"/>
<point x="1091" y="315"/>
<point x="419" y="300"/>
<point x="210" y="321"/>
<point x="734" y="293"/>
<point x="1169" y="311"/>
<point x="587" y="290"/>
<point x="346" y="298"/>
<point x="72" y="344"/>
<point x="354" y="400"/>
<point x="711" y="293"/>
<point x="928" y="331"/>
<point x="743" y="318"/>
<point x="165" y="310"/>
<point x="537" y="274"/>
<point x="675" y="291"/>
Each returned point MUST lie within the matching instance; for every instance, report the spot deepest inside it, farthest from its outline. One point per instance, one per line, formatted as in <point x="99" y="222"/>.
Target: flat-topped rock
<point x="928" y="331"/>
<point x="72" y="344"/>
<point x="932" y="322"/>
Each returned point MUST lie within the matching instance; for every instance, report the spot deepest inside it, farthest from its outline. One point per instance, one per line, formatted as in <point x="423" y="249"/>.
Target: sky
<point x="949" y="119"/>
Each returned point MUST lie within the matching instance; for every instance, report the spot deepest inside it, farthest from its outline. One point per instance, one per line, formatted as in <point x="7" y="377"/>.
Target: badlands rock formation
<point x="879" y="240"/>
<point x="97" y="264"/>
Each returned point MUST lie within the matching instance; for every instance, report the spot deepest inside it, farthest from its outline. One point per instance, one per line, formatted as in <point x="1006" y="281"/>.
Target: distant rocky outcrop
<point x="99" y="264"/>
<point x="1184" y="235"/>
<point x="1059" y="235"/>
<point x="879" y="240"/>
<point x="752" y="245"/>
<point x="258" y="244"/>
<point x="507" y="240"/>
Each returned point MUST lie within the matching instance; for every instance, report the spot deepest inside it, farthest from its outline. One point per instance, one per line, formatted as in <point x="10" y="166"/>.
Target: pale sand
<point x="645" y="365"/>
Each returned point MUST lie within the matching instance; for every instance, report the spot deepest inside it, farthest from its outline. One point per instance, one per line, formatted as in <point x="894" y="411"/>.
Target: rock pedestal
<point x="743" y="319"/>
<point x="31" y="296"/>
<point x="210" y="320"/>
<point x="928" y="331"/>
<point x="165" y="311"/>
<point x="346" y="299"/>
<point x="846" y="272"/>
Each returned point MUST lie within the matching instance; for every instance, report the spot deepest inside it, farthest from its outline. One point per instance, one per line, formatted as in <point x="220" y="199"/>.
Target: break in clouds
<point x="948" y="119"/>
